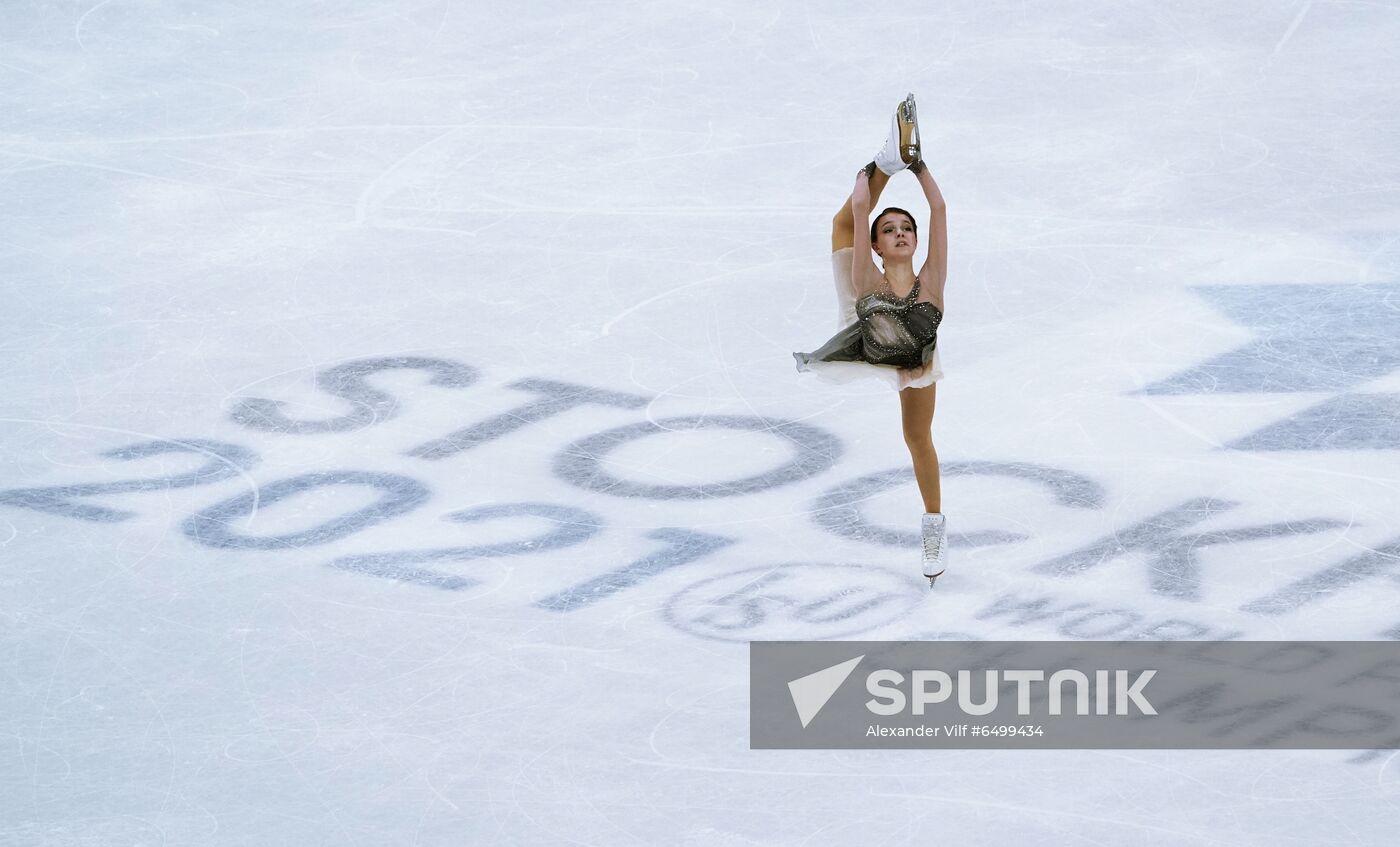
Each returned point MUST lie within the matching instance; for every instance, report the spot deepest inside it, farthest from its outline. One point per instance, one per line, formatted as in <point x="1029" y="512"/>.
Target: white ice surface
<point x="207" y="203"/>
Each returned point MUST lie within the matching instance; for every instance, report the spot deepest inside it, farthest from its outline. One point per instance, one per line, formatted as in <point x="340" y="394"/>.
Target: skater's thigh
<point x="916" y="408"/>
<point x="842" y="236"/>
<point x="845" y="291"/>
<point x="843" y="228"/>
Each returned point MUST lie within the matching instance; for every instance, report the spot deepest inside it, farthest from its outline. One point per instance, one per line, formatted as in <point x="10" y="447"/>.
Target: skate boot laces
<point x="933" y="554"/>
<point x="935" y="533"/>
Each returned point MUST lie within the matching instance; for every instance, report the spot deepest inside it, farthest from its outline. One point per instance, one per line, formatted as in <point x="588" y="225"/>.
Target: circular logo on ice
<point x="792" y="601"/>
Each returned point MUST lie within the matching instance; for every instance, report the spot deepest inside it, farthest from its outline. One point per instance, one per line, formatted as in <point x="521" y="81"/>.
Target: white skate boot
<point x="935" y="545"/>
<point x="902" y="147"/>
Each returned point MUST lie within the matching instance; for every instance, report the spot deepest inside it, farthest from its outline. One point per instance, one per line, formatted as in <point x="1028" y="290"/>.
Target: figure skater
<point x="890" y="319"/>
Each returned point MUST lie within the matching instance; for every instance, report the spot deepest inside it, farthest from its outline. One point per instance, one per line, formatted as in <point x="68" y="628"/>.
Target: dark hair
<point x="876" y="225"/>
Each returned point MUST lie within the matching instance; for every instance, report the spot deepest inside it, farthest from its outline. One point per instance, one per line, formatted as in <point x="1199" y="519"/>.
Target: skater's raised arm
<point x="935" y="269"/>
<point x="865" y="276"/>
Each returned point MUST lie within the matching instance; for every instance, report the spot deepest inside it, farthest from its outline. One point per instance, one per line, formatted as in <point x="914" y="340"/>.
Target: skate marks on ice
<point x="223" y="461"/>
<point x="1309" y="338"/>
<point x="1352" y="421"/>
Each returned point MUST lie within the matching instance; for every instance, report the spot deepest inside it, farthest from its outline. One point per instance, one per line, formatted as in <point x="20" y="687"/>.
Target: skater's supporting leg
<point x="916" y="408"/>
<point x="844" y="223"/>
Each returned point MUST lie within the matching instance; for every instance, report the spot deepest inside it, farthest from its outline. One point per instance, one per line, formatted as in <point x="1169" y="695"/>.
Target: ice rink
<point x="401" y="440"/>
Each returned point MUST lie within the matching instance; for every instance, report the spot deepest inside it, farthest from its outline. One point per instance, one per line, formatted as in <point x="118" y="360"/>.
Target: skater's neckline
<point x="888" y="292"/>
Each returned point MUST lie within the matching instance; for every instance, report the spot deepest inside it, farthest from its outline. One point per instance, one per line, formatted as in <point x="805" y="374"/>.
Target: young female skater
<point x="890" y="319"/>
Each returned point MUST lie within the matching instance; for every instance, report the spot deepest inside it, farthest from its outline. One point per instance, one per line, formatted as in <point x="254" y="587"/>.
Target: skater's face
<point x="895" y="236"/>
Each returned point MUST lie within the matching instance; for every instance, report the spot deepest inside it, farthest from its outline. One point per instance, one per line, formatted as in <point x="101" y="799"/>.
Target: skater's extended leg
<point x="845" y="220"/>
<point x="916" y="408"/>
<point x="901" y="149"/>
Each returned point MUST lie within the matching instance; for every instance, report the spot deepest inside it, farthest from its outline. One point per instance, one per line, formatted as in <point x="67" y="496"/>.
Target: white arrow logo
<point x="810" y="693"/>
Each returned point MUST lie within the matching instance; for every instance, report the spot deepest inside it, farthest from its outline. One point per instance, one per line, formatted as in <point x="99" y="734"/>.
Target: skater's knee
<point x="918" y="439"/>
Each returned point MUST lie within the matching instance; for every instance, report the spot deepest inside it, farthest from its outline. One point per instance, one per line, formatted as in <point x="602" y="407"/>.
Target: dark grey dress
<point x="897" y="331"/>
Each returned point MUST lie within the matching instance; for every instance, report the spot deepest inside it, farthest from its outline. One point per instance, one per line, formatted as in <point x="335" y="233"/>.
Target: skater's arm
<point x="864" y="275"/>
<point x="935" y="269"/>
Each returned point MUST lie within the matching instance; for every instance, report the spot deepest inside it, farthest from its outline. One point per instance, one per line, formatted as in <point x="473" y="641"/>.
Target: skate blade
<point x="933" y="579"/>
<point x="910" y="143"/>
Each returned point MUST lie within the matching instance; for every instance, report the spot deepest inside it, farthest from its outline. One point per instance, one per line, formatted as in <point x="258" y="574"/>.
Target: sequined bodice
<point x="895" y="330"/>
